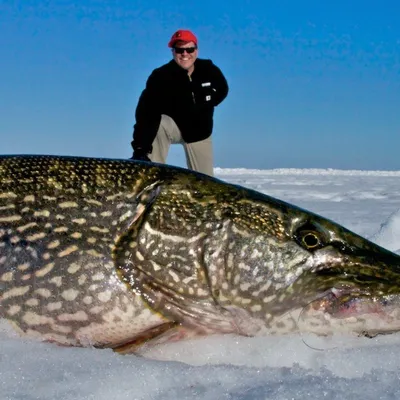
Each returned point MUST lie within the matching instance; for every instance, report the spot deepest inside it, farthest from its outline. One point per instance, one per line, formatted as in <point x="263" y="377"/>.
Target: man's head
<point x="184" y="49"/>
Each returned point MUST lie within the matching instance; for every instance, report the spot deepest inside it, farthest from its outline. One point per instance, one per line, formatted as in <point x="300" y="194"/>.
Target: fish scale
<point x="120" y="254"/>
<point x="57" y="232"/>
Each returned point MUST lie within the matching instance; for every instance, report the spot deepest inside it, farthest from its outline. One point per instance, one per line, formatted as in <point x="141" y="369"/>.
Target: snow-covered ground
<point x="228" y="367"/>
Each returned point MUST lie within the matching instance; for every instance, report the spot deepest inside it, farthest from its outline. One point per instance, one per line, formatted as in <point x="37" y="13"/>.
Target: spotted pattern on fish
<point x="62" y="276"/>
<point x="115" y="253"/>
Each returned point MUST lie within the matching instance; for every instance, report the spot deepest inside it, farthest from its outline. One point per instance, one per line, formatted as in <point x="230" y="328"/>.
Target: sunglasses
<point x="181" y="50"/>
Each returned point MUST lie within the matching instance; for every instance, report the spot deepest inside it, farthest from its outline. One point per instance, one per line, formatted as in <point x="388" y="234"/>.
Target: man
<point x="177" y="106"/>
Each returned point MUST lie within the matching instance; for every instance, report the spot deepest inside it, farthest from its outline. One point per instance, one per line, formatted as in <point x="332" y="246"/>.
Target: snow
<point x="229" y="367"/>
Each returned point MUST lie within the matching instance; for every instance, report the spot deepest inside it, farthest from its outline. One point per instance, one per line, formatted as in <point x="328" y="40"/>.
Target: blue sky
<point x="312" y="83"/>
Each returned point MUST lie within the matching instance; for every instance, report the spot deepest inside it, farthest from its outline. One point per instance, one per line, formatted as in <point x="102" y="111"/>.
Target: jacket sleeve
<point x="148" y="115"/>
<point x="220" y="85"/>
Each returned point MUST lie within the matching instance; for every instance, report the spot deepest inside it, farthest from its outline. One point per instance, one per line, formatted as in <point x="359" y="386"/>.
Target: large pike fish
<point x="112" y="253"/>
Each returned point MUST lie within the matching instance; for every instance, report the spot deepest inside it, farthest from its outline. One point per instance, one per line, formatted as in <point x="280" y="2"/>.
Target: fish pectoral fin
<point x="147" y="336"/>
<point x="200" y="314"/>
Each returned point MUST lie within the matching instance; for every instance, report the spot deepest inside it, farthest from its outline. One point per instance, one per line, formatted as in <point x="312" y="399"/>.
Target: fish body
<point x="117" y="253"/>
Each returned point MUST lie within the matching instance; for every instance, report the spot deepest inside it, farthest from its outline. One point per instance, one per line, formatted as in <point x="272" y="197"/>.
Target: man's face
<point x="185" y="59"/>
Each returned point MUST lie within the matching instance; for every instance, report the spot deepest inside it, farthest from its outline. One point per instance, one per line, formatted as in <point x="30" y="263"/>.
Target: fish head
<point x="350" y="283"/>
<point x="291" y="270"/>
<point x="222" y="258"/>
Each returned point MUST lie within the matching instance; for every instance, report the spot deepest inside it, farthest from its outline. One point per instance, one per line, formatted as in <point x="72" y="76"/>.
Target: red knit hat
<point x="182" y="35"/>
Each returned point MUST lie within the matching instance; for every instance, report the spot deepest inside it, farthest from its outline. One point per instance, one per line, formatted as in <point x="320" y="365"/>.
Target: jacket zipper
<point x="193" y="98"/>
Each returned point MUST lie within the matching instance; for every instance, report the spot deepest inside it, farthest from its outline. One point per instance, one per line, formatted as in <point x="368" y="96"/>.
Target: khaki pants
<point x="199" y="155"/>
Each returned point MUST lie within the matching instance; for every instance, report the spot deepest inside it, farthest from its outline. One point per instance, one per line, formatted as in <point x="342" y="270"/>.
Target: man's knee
<point x="169" y="128"/>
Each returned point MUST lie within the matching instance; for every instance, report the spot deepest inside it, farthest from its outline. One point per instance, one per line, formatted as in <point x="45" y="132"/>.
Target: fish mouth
<point x="358" y="284"/>
<point x="358" y="298"/>
<point x="344" y="303"/>
<point x="344" y="310"/>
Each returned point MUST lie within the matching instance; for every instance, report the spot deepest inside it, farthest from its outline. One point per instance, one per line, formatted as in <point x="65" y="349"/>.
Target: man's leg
<point x="167" y="133"/>
<point x="199" y="156"/>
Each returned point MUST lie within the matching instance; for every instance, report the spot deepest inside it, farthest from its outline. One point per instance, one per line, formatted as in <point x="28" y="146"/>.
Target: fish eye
<point x="310" y="240"/>
<point x="309" y="237"/>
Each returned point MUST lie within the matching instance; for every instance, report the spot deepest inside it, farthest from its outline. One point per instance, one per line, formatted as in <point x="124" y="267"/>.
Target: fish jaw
<point x="356" y="289"/>
<point x="362" y="315"/>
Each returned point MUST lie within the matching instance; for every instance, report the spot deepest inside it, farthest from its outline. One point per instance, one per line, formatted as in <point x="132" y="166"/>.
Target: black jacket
<point x="188" y="101"/>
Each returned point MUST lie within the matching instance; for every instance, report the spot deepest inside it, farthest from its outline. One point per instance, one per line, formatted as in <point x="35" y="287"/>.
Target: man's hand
<point x="140" y="155"/>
